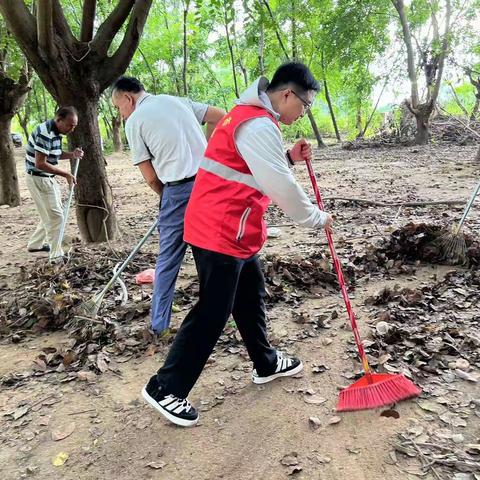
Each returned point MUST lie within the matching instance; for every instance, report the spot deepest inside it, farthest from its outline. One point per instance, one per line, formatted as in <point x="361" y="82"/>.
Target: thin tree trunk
<point x="293" y="29"/>
<point x="358" y="121"/>
<point x="370" y="118"/>
<point x="171" y="57"/>
<point x="477" y="156"/>
<point x="313" y="123"/>
<point x="9" y="191"/>
<point x="476" y="108"/>
<point x="23" y="121"/>
<point x="315" y="129"/>
<point x="185" y="48"/>
<point x="261" y="49"/>
<point x="150" y="71"/>
<point x="330" y="109"/>
<point x="44" y="98"/>
<point x="117" y="133"/>
<point x="230" y="49"/>
<point x="457" y="100"/>
<point x="422" y="135"/>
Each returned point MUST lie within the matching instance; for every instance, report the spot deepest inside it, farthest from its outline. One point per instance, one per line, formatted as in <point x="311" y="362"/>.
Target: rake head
<point x="453" y="248"/>
<point x="91" y="307"/>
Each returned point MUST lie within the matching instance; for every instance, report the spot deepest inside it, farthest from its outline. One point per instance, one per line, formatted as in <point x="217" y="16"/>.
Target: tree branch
<point x="21" y="23"/>
<point x="275" y="26"/>
<point x="61" y="25"/>
<point x="115" y="65"/>
<point x="407" y="38"/>
<point x="443" y="54"/>
<point x="88" y="18"/>
<point x="45" y="26"/>
<point x="110" y="27"/>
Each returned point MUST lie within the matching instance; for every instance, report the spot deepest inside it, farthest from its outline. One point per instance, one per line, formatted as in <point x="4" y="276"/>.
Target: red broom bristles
<point x="384" y="389"/>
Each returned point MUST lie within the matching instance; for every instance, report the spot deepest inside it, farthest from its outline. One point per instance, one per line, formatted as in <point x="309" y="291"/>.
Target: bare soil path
<point x="246" y="431"/>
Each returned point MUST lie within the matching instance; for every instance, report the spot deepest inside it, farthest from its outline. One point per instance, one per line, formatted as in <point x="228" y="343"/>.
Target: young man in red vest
<point x="244" y="169"/>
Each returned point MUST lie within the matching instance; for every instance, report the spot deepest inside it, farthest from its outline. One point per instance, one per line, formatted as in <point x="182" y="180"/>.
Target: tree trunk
<point x="477" y="156"/>
<point x="44" y="98"/>
<point x="358" y="121"/>
<point x="117" y="133"/>
<point x="23" y="121"/>
<point x="422" y="135"/>
<point x="261" y="48"/>
<point x="185" y="48"/>
<point x="230" y="49"/>
<point x="293" y="30"/>
<point x="9" y="191"/>
<point x="476" y="107"/>
<point x="330" y="109"/>
<point x="315" y="129"/>
<point x="95" y="210"/>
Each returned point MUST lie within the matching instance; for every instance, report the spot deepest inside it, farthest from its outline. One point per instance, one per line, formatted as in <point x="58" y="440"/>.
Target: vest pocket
<point x="243" y="223"/>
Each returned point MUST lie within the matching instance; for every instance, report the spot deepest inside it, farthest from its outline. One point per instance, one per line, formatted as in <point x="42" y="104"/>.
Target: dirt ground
<point x="245" y="431"/>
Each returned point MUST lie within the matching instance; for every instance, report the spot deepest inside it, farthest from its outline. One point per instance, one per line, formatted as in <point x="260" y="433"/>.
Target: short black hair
<point x="63" y="112"/>
<point x="128" y="84"/>
<point x="293" y="73"/>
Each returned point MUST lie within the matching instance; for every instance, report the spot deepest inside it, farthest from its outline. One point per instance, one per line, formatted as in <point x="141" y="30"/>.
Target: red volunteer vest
<point x="226" y="207"/>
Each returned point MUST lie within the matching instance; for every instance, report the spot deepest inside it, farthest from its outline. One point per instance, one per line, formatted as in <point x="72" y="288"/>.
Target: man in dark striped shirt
<point x="44" y="150"/>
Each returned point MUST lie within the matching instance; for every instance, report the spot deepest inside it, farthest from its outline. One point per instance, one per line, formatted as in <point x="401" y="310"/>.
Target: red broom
<point x="373" y="390"/>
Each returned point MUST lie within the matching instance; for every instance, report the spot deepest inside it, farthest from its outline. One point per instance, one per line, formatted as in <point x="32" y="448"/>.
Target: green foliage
<point x="346" y="43"/>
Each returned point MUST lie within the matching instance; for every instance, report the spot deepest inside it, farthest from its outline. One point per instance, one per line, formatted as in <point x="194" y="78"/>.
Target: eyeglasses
<point x="306" y="105"/>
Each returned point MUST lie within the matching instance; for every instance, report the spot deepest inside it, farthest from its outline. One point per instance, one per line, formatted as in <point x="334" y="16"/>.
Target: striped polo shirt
<point x="44" y="139"/>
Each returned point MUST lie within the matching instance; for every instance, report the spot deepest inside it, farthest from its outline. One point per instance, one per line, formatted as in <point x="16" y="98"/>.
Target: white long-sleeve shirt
<point x="260" y="143"/>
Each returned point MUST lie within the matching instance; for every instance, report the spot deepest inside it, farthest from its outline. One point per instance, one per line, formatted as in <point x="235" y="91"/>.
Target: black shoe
<point x="45" y="248"/>
<point x="178" y="410"/>
<point x="285" y="367"/>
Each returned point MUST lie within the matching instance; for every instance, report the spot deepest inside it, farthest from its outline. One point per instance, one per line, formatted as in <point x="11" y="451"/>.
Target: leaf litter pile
<point x="432" y="335"/>
<point x="45" y="298"/>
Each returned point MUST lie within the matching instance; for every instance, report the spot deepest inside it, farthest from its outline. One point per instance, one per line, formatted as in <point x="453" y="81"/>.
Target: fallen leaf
<point x="294" y="469"/>
<point x="290" y="459"/>
<point x="391" y="413"/>
<point x="20" y="412"/>
<point x="452" y="419"/>
<point x="151" y="350"/>
<point x="315" y="422"/>
<point x="334" y="420"/>
<point x="62" y="432"/>
<point x="314" y="399"/>
<point x="60" y="459"/>
<point x="431" y="406"/>
<point x="156" y="465"/>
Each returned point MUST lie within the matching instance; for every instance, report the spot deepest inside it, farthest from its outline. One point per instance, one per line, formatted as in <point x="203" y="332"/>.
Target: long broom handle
<point x="467" y="208"/>
<point x="341" y="279"/>
<point x="66" y="210"/>
<point x="127" y="260"/>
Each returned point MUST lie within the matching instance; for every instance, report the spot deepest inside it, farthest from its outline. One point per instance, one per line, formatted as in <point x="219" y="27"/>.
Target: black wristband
<point x="289" y="158"/>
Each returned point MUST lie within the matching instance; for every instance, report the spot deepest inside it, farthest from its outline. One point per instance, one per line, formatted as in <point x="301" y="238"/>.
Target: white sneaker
<point x="286" y="367"/>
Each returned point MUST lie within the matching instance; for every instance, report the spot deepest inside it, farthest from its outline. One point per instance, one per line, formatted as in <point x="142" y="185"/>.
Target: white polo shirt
<point x="167" y="130"/>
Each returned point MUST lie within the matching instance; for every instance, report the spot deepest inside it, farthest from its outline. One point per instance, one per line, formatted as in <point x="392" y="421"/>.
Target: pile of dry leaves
<point x="45" y="298"/>
<point x="431" y="334"/>
<point x="409" y="244"/>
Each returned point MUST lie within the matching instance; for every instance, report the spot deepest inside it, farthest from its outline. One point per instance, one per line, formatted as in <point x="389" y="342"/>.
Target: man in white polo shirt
<point x="167" y="143"/>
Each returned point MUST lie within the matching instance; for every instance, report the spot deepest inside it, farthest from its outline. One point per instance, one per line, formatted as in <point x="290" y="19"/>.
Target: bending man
<point x="167" y="143"/>
<point x="44" y="150"/>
